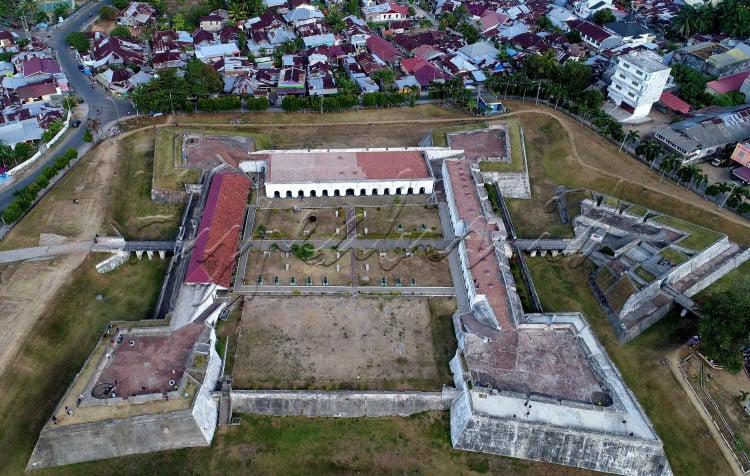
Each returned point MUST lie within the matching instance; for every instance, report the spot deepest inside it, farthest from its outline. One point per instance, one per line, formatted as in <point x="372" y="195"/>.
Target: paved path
<point x="24" y="254"/>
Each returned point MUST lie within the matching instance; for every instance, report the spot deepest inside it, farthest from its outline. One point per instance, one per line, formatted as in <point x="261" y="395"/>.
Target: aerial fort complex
<point x="526" y="383"/>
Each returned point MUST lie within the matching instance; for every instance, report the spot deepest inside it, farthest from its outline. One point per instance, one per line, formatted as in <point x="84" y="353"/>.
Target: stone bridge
<point x="542" y="246"/>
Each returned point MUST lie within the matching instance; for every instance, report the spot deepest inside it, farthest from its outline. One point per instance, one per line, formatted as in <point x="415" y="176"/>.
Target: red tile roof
<point x="36" y="66"/>
<point x="336" y="166"/>
<point x="485" y="269"/>
<point x="383" y="49"/>
<point x="213" y="257"/>
<point x="674" y="103"/>
<point x="729" y="83"/>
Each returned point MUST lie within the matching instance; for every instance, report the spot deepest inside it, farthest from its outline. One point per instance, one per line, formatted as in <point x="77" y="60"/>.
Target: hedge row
<point x="25" y="196"/>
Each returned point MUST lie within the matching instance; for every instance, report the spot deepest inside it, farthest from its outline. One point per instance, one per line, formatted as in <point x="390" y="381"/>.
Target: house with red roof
<point x="385" y="12"/>
<point x="727" y="84"/>
<point x="383" y="49"/>
<point x="594" y="35"/>
<point x="40" y="68"/>
<point x="213" y="258"/>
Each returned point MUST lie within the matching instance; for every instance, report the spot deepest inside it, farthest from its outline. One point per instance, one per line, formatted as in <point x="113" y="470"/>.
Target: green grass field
<point x="61" y="342"/>
<point x="134" y="214"/>
<point x="673" y="255"/>
<point x="166" y="151"/>
<point x="699" y="237"/>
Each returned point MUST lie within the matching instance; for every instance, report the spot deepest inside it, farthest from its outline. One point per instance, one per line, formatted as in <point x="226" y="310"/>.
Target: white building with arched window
<point x="340" y="172"/>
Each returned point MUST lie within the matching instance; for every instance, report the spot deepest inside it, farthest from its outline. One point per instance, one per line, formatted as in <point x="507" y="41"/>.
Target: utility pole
<point x="728" y="195"/>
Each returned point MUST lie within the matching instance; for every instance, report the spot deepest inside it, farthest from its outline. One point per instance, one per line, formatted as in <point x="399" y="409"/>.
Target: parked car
<point x="720" y="161"/>
<point x="76" y="123"/>
<point x="80" y="67"/>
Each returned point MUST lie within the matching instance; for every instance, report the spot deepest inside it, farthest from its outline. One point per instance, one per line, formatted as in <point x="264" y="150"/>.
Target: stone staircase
<point x="225" y="402"/>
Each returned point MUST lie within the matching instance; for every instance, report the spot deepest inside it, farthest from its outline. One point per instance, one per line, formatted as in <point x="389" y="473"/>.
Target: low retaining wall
<point x="511" y="184"/>
<point x="339" y="403"/>
<point x="159" y="195"/>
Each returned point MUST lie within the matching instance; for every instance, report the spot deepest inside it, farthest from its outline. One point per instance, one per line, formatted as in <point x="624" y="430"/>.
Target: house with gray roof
<point x="706" y="134"/>
<point x="714" y="59"/>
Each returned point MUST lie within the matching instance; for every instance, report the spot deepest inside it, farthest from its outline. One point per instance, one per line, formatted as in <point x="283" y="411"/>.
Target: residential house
<point x="212" y="23"/>
<point x="320" y="80"/>
<point x="291" y="82"/>
<point x="7" y="39"/>
<point x="237" y="66"/>
<point x="741" y="156"/>
<point x="302" y="15"/>
<point x="423" y="71"/>
<point x="137" y="14"/>
<point x="479" y="52"/>
<point x="116" y="80"/>
<point x="586" y="8"/>
<point x="638" y="82"/>
<point x="384" y="49"/>
<point x="706" y="133"/>
<point x="36" y="69"/>
<point x="41" y="91"/>
<point x="369" y="63"/>
<point x="356" y="31"/>
<point x="167" y="59"/>
<point x="25" y="130"/>
<point x="490" y="21"/>
<point x="112" y="50"/>
<point x="203" y="37"/>
<point x="316" y="33"/>
<point x="714" y="59"/>
<point x="594" y="35"/>
<point x="7" y="69"/>
<point x="385" y="12"/>
<point x="727" y="84"/>
<point x="215" y="52"/>
<point x="408" y="85"/>
<point x="631" y="32"/>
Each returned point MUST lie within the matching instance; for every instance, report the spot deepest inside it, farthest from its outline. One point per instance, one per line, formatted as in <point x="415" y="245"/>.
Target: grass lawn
<point x="134" y="214"/>
<point x="563" y="286"/>
<point x="418" y="444"/>
<point x="440" y="134"/>
<point x="645" y="275"/>
<point x="728" y="281"/>
<point x="516" y="152"/>
<point x="548" y="146"/>
<point x="620" y="293"/>
<point x="673" y="255"/>
<point x="699" y="237"/>
<point x="60" y="344"/>
<point x="167" y="150"/>
<point x="637" y="210"/>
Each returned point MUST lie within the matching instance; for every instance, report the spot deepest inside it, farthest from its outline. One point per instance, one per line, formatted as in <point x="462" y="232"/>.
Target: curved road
<point x="94" y="99"/>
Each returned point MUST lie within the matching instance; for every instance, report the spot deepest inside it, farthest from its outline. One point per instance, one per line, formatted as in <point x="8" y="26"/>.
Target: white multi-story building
<point x="637" y="82"/>
<point x="586" y="8"/>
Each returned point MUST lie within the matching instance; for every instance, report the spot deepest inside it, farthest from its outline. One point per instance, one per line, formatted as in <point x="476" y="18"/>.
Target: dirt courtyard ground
<point x="481" y="144"/>
<point x="427" y="269"/>
<point x="398" y="221"/>
<point x="272" y="264"/>
<point x="332" y="342"/>
<point x="26" y="289"/>
<point x="205" y="151"/>
<point x="312" y="223"/>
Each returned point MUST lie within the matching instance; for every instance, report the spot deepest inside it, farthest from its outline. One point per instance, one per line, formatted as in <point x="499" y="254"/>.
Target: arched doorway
<point x="363" y="192"/>
<point x="288" y="194"/>
<point x="325" y="192"/>
<point x="374" y="191"/>
<point x="387" y="191"/>
<point x="421" y="190"/>
<point x="277" y="194"/>
<point x="313" y="193"/>
<point x="336" y="193"/>
<point x="349" y="192"/>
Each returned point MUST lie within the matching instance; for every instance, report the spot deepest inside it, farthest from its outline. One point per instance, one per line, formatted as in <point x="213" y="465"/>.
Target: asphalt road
<point x="94" y="98"/>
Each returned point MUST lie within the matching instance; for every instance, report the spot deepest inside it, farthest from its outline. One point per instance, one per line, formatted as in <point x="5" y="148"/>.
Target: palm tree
<point x="7" y="155"/>
<point x="700" y="179"/>
<point x="737" y="23"/>
<point x="687" y="173"/>
<point x="669" y="164"/>
<point x="631" y="136"/>
<point x="237" y="11"/>
<point x="689" y="20"/>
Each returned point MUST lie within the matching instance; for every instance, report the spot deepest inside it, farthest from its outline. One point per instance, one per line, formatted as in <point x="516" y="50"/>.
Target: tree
<point x="573" y="36"/>
<point x="87" y="137"/>
<point x="60" y="11"/>
<point x="7" y="155"/>
<point x="692" y="85"/>
<point x="162" y="94"/>
<point x="107" y="13"/>
<point x="631" y="136"/>
<point x="737" y="22"/>
<point x="41" y="16"/>
<point x="469" y="31"/>
<point x="724" y="330"/>
<point x="238" y="11"/>
<point x="78" y="40"/>
<point x="120" y="4"/>
<point x="669" y="164"/>
<point x="202" y="79"/>
<point x="384" y="77"/>
<point x="544" y="66"/>
<point x="603" y="16"/>
<point x="543" y="23"/>
<point x="688" y="21"/>
<point x="120" y="31"/>
<point x="575" y="76"/>
<point x="22" y="151"/>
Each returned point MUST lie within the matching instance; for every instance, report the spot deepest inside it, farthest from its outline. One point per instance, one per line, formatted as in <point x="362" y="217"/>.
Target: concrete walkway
<point x="42" y="252"/>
